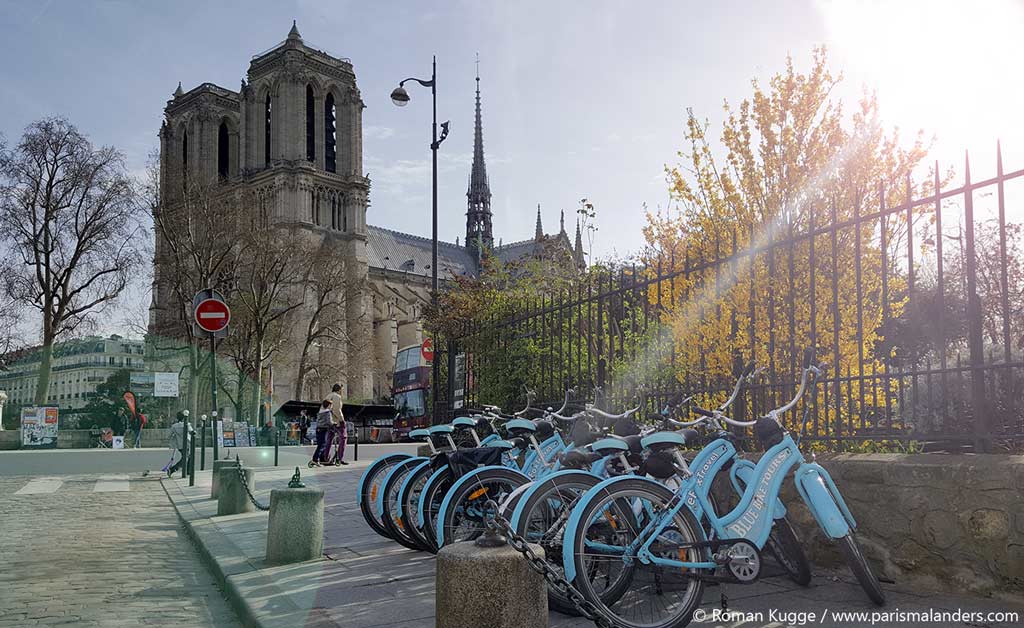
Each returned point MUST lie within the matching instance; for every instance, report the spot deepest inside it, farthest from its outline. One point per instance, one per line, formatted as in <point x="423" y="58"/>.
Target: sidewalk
<point x="366" y="580"/>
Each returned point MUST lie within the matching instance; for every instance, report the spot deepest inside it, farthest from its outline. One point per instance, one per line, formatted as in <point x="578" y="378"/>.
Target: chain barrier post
<point x="554" y="579"/>
<point x="245" y="485"/>
<point x="184" y="450"/>
<point x="202" y="445"/>
<point x="277" y="441"/>
<point x="192" y="459"/>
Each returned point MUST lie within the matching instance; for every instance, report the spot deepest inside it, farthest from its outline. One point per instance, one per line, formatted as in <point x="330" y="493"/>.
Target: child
<point x="323" y="426"/>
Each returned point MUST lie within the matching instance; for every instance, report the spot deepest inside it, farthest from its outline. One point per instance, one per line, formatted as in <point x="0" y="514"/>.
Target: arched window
<point x="184" y="160"/>
<point x="330" y="158"/>
<point x="223" y="151"/>
<point x="310" y="125"/>
<point x="266" y="132"/>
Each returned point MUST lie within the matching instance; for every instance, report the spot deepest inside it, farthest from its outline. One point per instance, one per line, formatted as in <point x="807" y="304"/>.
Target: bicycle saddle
<point x="660" y="441"/>
<point x="420" y="433"/>
<point x="579" y="459"/>
<point x="520" y="426"/>
<point x="502" y="444"/>
<point x="544" y="430"/>
<point x="441" y="429"/>
<point x="632" y="441"/>
<point x="463" y="422"/>
<point x="608" y="446"/>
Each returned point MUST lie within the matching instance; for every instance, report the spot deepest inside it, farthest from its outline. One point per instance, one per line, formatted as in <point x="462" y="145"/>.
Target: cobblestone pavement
<point x="106" y="551"/>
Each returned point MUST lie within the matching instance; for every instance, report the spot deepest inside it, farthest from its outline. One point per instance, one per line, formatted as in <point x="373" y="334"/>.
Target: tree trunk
<point x="193" y="379"/>
<point x="300" y="376"/>
<point x="258" y="377"/>
<point x="43" y="379"/>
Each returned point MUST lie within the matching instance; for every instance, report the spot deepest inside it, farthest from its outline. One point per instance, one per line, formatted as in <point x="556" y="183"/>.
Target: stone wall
<point x="930" y="520"/>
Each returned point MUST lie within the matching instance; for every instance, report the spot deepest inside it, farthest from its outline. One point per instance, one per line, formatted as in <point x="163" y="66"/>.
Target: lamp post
<point x="3" y="400"/>
<point x="401" y="98"/>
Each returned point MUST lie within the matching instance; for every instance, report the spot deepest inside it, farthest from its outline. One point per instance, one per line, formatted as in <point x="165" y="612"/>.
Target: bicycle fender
<point x="823" y="500"/>
<point x="370" y="469"/>
<point x="740" y="475"/>
<point x="387" y="478"/>
<point x="568" y="562"/>
<point x="434" y="477"/>
<point x="528" y="491"/>
<point x="469" y="477"/>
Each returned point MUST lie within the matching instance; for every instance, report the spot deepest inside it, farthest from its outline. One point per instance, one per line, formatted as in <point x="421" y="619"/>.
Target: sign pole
<point x="213" y="389"/>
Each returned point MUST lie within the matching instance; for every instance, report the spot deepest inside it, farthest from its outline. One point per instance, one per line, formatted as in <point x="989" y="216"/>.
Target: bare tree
<point x="326" y="286"/>
<point x="196" y="228"/>
<point x="70" y="214"/>
<point x="268" y="290"/>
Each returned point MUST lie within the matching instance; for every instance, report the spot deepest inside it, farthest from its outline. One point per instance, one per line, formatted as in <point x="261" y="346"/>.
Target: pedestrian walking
<point x="138" y="422"/>
<point x="304" y="424"/>
<point x="180" y="429"/>
<point x="339" y="428"/>
<point x="323" y="426"/>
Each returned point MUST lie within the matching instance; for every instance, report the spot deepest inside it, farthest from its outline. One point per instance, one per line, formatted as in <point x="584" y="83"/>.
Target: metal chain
<point x="497" y="523"/>
<point x="245" y="485"/>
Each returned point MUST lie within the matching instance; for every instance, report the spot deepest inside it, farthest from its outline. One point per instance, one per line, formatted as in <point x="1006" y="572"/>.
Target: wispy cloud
<point x="375" y="132"/>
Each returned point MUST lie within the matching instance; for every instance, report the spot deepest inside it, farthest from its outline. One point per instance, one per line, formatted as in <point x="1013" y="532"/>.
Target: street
<point x="99" y="550"/>
<point x="135" y="462"/>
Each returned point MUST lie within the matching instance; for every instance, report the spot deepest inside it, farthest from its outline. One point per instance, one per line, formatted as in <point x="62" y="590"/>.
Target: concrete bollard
<point x="489" y="586"/>
<point x="217" y="466"/>
<point x="232" y="498"/>
<point x="295" y="530"/>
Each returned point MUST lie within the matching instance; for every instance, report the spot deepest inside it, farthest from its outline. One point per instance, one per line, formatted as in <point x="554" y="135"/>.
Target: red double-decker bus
<point x="409" y="389"/>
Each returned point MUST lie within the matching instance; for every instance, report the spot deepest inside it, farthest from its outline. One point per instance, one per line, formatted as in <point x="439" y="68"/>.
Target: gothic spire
<point x="478" y="212"/>
<point x="540" y="229"/>
<point x="294" y="32"/>
<point x="561" y="224"/>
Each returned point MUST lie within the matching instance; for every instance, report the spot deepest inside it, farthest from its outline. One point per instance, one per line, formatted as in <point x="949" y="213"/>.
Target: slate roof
<point x="394" y="250"/>
<point x="515" y="251"/>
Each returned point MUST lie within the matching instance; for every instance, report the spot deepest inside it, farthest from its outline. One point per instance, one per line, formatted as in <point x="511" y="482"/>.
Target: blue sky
<point x="581" y="99"/>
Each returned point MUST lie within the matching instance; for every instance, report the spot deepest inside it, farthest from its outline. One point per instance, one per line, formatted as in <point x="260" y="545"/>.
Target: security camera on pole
<point x="211" y="316"/>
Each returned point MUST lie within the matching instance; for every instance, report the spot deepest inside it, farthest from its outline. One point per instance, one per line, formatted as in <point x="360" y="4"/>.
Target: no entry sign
<point x="212" y="315"/>
<point x="427" y="350"/>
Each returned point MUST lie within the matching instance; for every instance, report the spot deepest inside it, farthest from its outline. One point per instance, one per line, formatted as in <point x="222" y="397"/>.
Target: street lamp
<point x="401" y="98"/>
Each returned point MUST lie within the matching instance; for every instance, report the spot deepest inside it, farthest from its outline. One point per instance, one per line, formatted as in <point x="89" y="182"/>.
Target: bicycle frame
<point x="750" y="519"/>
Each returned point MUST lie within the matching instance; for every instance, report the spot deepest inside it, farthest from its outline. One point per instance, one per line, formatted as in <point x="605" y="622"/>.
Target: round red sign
<point x="212" y="315"/>
<point x="427" y="350"/>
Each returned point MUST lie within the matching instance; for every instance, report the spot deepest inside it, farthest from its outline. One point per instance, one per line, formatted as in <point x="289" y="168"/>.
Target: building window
<point x="310" y="125"/>
<point x="223" y="151"/>
<point x="330" y="137"/>
<point x="266" y="131"/>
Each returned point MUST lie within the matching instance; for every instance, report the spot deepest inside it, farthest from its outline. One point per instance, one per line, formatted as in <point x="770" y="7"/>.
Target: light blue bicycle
<point x="640" y="553"/>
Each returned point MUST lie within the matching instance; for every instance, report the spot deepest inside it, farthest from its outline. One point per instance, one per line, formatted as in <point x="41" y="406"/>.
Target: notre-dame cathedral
<point x="291" y="136"/>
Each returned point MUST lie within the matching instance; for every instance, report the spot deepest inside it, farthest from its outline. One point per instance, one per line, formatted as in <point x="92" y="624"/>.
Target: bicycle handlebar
<point x="601" y="413"/>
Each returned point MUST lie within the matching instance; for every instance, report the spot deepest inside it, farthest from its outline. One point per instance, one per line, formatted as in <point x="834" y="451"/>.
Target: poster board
<point x="226" y="433"/>
<point x="39" y="428"/>
<point x="165" y="384"/>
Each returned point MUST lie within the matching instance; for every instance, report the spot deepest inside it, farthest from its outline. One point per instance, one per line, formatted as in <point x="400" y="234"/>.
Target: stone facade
<point x="288" y="143"/>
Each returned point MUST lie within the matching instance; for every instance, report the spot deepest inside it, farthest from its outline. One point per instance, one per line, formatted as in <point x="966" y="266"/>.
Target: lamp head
<point x="400" y="97"/>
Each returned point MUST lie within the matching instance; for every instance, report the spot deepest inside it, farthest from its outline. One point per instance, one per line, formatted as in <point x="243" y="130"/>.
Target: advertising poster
<point x="39" y="428"/>
<point x="165" y="384"/>
<point x="227" y="433"/>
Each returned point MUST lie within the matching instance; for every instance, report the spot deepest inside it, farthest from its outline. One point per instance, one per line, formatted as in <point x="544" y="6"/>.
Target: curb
<point x="203" y="540"/>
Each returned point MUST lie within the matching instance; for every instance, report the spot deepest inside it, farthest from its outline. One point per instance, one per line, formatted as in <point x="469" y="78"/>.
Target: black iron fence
<point x="915" y="301"/>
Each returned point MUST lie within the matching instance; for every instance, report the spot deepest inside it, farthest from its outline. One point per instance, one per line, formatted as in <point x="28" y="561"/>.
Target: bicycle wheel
<point x="409" y="497"/>
<point x="542" y="518"/>
<point x="370" y="485"/>
<point x="464" y="513"/>
<point x="861" y="569"/>
<point x="392" y="515"/>
<point x="785" y="546"/>
<point x="433" y="494"/>
<point x="649" y="596"/>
